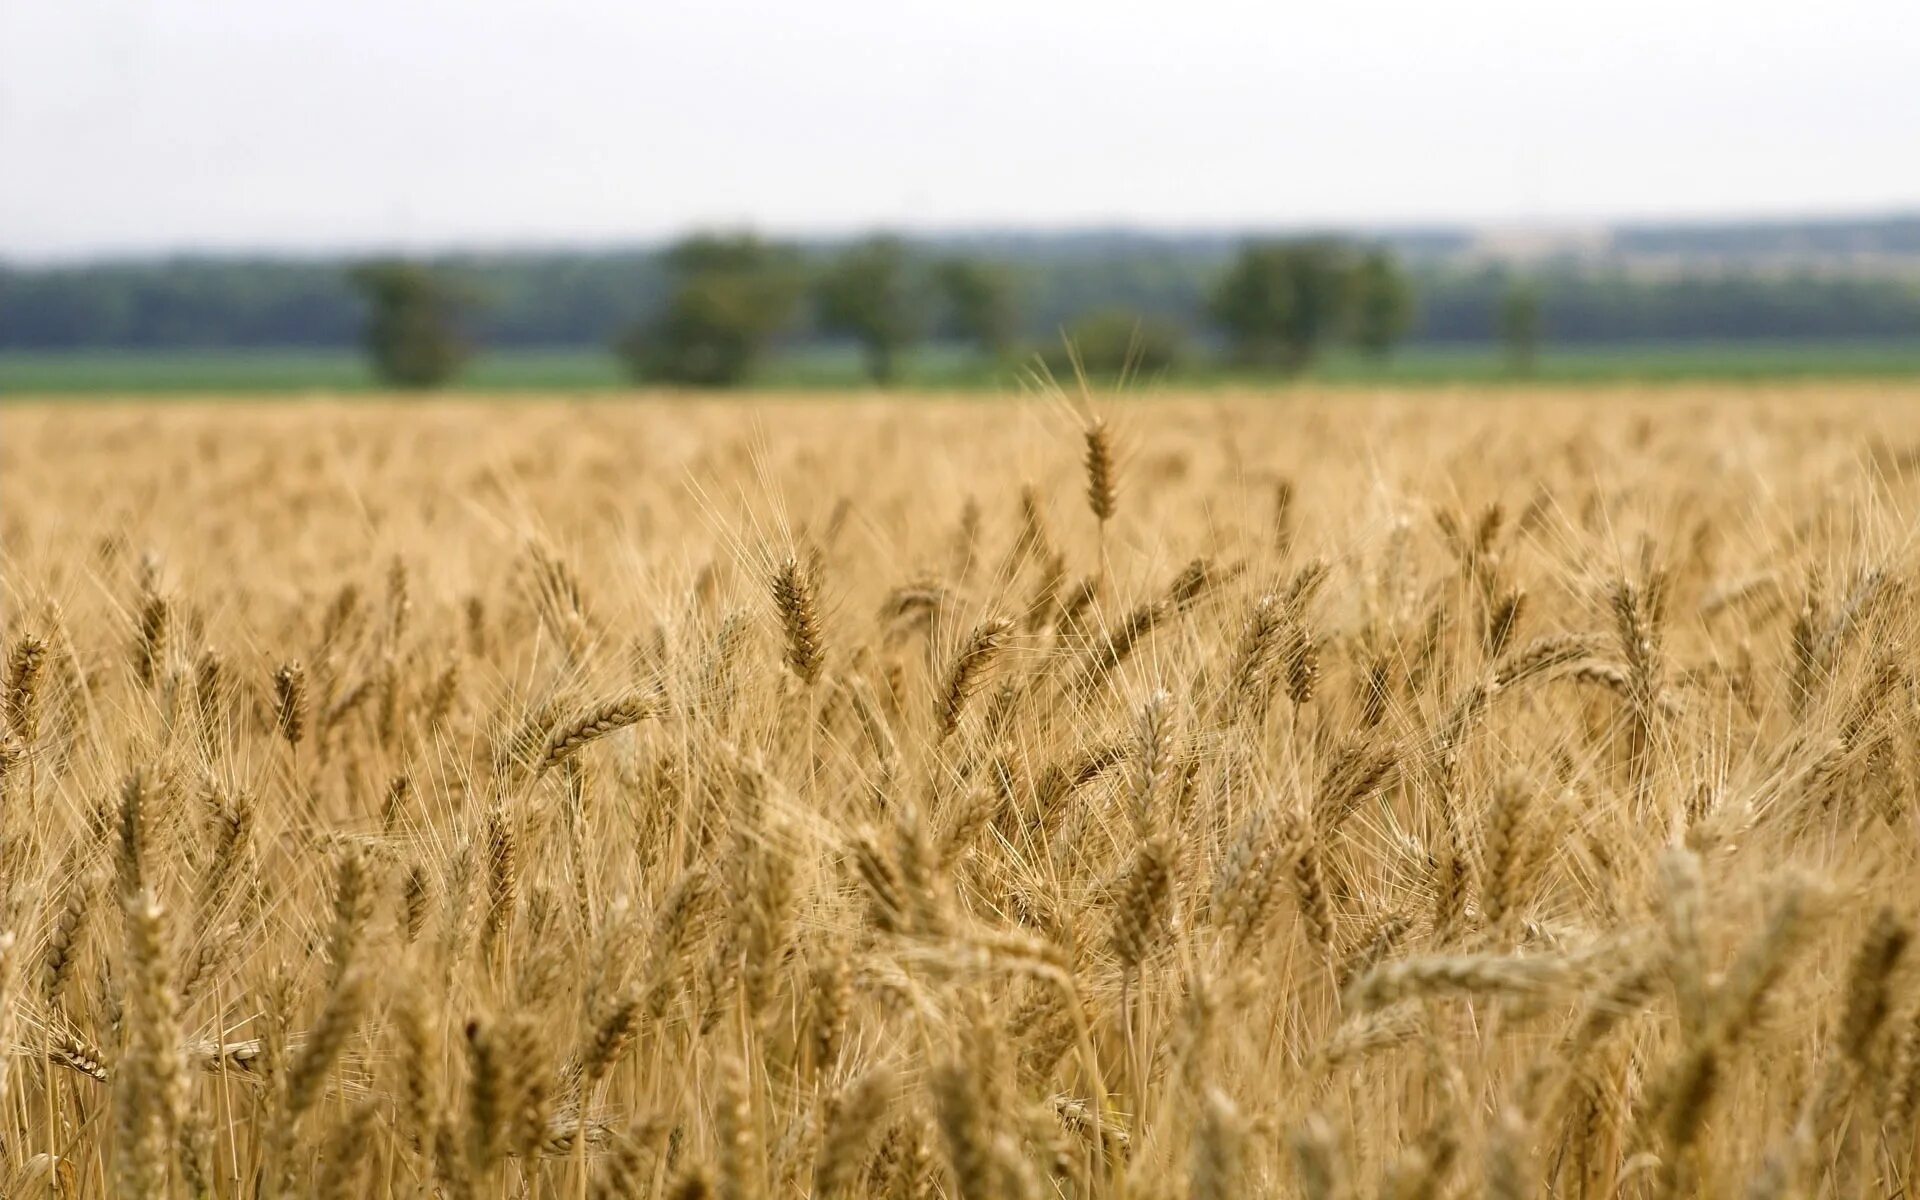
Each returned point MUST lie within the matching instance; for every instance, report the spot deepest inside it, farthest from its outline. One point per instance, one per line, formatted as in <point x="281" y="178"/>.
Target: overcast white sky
<point x="314" y="124"/>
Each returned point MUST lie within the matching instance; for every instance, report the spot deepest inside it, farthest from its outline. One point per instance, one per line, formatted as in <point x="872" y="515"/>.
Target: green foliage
<point x="869" y="295"/>
<point x="1281" y="302"/>
<point x="1520" y="327"/>
<point x="731" y="297"/>
<point x="410" y="336"/>
<point x="589" y="298"/>
<point x="1113" y="343"/>
<point x="1383" y="305"/>
<point x="979" y="303"/>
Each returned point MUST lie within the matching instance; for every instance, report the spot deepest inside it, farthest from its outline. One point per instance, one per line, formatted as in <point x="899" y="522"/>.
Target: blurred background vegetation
<point x="716" y="310"/>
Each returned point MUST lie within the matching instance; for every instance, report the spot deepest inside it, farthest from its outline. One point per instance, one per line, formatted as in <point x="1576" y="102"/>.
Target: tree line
<point x="699" y="310"/>
<point x="730" y="298"/>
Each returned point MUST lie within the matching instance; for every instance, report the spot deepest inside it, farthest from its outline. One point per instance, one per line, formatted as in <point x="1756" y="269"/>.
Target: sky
<point x="144" y="126"/>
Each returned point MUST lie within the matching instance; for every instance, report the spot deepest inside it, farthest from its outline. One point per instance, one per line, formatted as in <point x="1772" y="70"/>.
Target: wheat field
<point x="1320" y="795"/>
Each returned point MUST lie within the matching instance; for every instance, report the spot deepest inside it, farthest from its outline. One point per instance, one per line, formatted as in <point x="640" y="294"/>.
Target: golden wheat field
<point x="1317" y="795"/>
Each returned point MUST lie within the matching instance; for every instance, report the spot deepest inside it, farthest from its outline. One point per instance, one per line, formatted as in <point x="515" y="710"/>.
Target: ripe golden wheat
<point x="1247" y="796"/>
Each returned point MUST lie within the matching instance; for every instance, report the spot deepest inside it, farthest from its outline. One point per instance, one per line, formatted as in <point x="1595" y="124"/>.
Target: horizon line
<point x="508" y="245"/>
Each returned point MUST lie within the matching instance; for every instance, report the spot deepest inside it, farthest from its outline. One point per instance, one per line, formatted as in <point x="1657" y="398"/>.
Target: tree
<point x="1112" y="343"/>
<point x="979" y="304"/>
<point x="868" y="295"/>
<point x="1281" y="301"/>
<point x="1382" y="304"/>
<point x="410" y="331"/>
<point x="730" y="296"/>
<point x="1519" y="325"/>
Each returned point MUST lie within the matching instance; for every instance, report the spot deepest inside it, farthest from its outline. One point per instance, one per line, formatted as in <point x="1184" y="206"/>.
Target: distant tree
<point x="1519" y="326"/>
<point x="979" y="304"/>
<point x="868" y="294"/>
<point x="410" y="331"/>
<point x="1281" y="301"/>
<point x="730" y="296"/>
<point x="1382" y="302"/>
<point x="1112" y="343"/>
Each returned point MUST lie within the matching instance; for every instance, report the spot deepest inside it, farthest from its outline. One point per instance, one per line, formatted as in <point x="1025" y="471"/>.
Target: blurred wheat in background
<point x="1324" y="797"/>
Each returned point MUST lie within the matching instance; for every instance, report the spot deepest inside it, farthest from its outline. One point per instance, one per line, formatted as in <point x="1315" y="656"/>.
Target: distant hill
<point x="1826" y="244"/>
<point x="1838" y="278"/>
<point x="1868" y="242"/>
